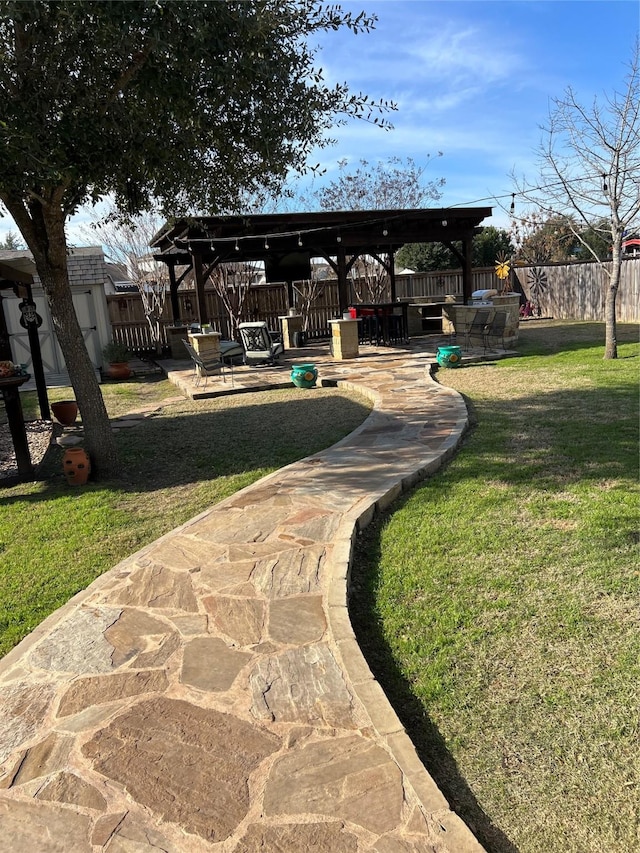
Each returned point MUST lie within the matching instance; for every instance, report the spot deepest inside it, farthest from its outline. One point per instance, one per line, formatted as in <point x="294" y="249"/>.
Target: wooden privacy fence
<point x="566" y="291"/>
<point x="578" y="291"/>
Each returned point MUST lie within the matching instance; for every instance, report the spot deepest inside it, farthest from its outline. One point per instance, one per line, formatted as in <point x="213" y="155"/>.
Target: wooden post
<point x="343" y="290"/>
<point x="173" y="293"/>
<point x="198" y="274"/>
<point x="467" y="275"/>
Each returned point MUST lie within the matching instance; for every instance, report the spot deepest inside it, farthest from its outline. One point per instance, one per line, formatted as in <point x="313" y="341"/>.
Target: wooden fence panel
<point x="569" y="292"/>
<point x="578" y="291"/>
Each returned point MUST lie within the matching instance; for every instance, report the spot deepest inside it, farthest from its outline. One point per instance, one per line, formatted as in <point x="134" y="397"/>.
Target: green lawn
<point x="498" y="603"/>
<point x="55" y="538"/>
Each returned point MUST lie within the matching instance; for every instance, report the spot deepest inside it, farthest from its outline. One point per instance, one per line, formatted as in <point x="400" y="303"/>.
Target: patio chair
<point x="476" y="328"/>
<point x="230" y="350"/>
<point x="204" y="369"/>
<point x="260" y="345"/>
<point x="495" y="329"/>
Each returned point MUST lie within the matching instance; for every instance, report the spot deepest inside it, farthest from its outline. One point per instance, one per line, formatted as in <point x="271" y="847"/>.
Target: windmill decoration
<point x="503" y="270"/>
<point x="538" y="284"/>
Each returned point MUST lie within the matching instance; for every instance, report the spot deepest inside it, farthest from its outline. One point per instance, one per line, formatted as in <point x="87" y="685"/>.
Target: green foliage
<point x="188" y="103"/>
<point x="115" y="352"/>
<point x="487" y="245"/>
<point x="11" y="241"/>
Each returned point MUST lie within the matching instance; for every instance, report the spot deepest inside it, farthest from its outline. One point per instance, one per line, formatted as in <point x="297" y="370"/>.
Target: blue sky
<point x="475" y="80"/>
<point x="472" y="79"/>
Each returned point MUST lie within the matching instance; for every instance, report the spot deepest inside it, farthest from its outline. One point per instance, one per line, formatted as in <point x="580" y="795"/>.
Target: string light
<point x="266" y="242"/>
<point x="604" y="182"/>
<point x="299" y="239"/>
<point x="385" y="232"/>
<point x="444" y="223"/>
<point x="237" y="246"/>
<point x="513" y="202"/>
<point x="338" y="239"/>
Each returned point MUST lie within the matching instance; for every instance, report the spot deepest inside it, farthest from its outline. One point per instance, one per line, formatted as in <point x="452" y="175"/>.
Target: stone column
<point x="290" y="325"/>
<point x="175" y="336"/>
<point x="344" y="339"/>
<point x="207" y="347"/>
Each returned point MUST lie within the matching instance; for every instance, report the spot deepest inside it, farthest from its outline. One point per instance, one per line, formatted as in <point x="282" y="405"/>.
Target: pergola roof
<point x="286" y="242"/>
<point x="251" y="237"/>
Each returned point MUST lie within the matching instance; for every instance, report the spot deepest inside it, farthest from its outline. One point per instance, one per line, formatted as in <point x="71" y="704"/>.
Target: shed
<point x="88" y="274"/>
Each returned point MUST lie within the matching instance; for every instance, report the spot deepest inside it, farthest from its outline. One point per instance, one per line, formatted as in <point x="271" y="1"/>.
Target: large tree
<point x="189" y="104"/>
<point x="589" y="164"/>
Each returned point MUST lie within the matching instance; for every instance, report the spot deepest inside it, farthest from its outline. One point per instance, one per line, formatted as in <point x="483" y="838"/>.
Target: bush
<point x="115" y="352"/>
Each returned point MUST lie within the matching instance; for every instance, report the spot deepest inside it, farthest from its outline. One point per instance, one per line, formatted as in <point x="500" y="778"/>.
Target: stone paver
<point x="208" y="694"/>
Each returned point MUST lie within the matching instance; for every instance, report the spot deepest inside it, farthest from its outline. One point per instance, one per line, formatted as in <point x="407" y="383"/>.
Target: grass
<point x="55" y="539"/>
<point x="498" y="604"/>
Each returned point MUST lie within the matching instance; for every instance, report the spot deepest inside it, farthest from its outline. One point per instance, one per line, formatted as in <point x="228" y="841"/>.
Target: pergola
<point x="286" y="242"/>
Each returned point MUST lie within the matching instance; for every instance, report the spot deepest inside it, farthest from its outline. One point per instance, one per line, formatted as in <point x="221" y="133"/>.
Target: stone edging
<point x="452" y="830"/>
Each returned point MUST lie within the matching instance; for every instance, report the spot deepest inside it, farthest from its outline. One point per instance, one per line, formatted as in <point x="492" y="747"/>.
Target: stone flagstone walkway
<point x="208" y="694"/>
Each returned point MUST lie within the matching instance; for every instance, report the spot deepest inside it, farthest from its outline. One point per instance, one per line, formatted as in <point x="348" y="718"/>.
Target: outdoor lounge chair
<point x="259" y="344"/>
<point x="230" y="350"/>
<point x="204" y="368"/>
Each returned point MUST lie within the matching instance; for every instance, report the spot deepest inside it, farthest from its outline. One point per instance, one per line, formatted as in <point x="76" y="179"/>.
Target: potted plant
<point x="116" y="355"/>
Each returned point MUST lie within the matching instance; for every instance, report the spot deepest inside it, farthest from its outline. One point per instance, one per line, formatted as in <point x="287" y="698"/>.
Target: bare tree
<point x="391" y="185"/>
<point x="308" y="292"/>
<point x="590" y="174"/>
<point x="232" y="282"/>
<point x="127" y="244"/>
<point x="370" y="278"/>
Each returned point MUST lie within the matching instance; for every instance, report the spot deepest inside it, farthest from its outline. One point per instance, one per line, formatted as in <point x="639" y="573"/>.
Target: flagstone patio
<point x="208" y="693"/>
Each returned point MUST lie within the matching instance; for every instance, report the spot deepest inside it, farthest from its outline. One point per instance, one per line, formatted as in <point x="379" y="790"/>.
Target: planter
<point x="76" y="466"/>
<point x="65" y="412"/>
<point x="304" y="375"/>
<point x="118" y="370"/>
<point x="449" y="356"/>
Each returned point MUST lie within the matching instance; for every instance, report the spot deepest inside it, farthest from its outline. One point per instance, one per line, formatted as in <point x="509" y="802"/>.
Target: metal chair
<point x="495" y="329"/>
<point x="259" y="344"/>
<point x="476" y="328"/>
<point x="205" y="369"/>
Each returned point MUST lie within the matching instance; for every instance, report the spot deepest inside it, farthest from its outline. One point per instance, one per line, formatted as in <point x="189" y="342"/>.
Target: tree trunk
<point x="47" y="242"/>
<point x="610" y="328"/>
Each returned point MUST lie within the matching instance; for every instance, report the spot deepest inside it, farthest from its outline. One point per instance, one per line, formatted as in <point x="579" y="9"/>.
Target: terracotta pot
<point x="119" y="370"/>
<point x="65" y="412"/>
<point x="76" y="466"/>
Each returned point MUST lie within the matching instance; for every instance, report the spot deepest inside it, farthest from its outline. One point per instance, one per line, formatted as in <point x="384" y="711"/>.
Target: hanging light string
<point x="459" y="206"/>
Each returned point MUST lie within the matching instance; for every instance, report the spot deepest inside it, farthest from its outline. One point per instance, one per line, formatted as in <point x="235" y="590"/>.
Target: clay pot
<point x="76" y="466"/>
<point x="118" y="370"/>
<point x="65" y="412"/>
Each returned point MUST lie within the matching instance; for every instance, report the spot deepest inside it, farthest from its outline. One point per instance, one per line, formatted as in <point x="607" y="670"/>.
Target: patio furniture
<point x="495" y="329"/>
<point x="205" y="368"/>
<point x="260" y="345"/>
<point x="382" y="322"/>
<point x="476" y="328"/>
<point x="230" y="350"/>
